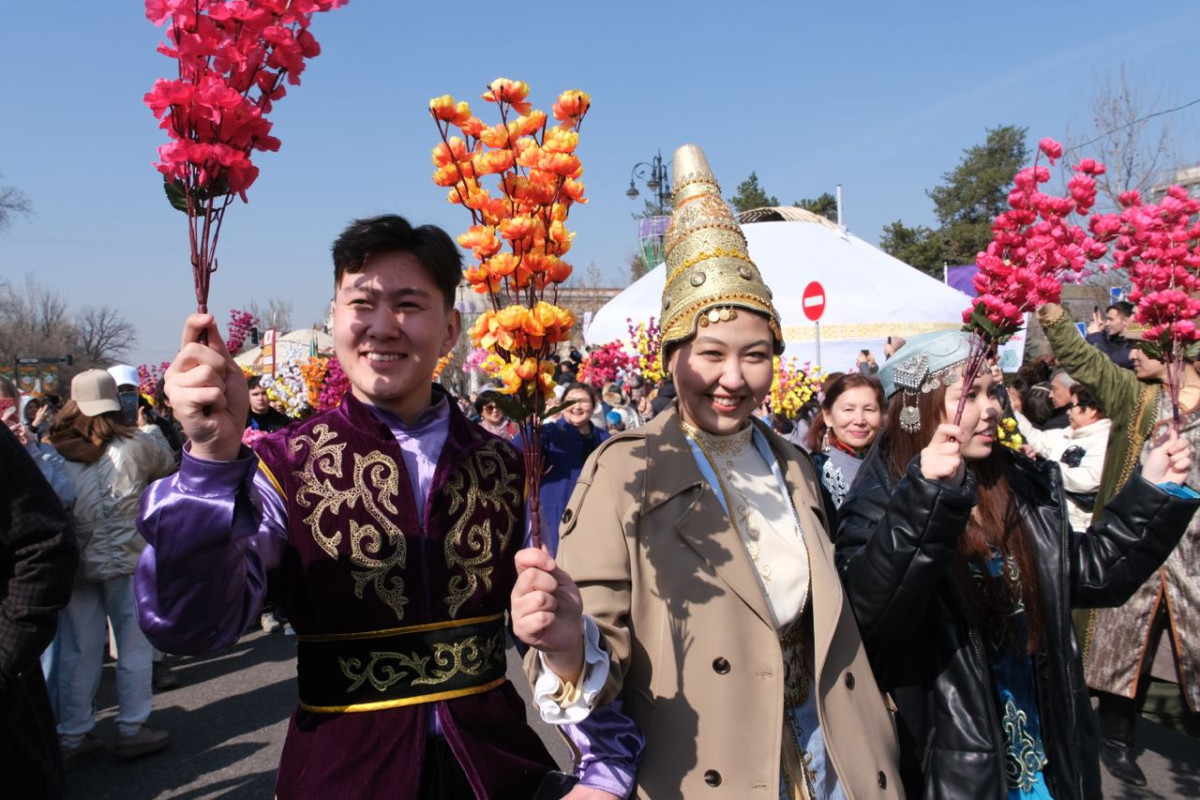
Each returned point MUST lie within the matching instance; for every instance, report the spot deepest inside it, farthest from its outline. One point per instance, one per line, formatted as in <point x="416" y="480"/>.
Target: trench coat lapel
<point x="704" y="526"/>
<point x="825" y="587"/>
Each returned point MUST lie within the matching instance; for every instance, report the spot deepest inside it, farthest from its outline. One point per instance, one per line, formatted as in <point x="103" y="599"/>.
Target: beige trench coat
<point x="695" y="654"/>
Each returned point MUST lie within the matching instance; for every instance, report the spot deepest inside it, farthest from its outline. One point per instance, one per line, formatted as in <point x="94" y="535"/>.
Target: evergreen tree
<point x="970" y="196"/>
<point x="825" y="205"/>
<point x="751" y="195"/>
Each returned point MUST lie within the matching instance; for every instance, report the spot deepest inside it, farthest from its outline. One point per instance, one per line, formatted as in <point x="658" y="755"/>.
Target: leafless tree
<point x="13" y="203"/>
<point x="104" y="335"/>
<point x="276" y="314"/>
<point x="1126" y="134"/>
<point x="33" y="322"/>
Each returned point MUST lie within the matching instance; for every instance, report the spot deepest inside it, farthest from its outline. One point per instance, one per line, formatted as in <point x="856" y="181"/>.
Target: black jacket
<point x="894" y="547"/>
<point x="1115" y="347"/>
<point x="37" y="571"/>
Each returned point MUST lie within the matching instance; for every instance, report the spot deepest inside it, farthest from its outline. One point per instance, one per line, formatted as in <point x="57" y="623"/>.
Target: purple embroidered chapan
<point x="359" y="556"/>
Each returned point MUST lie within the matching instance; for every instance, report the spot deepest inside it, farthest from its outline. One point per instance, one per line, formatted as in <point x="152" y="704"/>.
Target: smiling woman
<point x="962" y="571"/>
<point x="850" y="419"/>
<point x="696" y="547"/>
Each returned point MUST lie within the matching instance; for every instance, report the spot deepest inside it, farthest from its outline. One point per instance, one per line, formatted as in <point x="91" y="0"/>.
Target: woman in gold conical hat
<point x="695" y="584"/>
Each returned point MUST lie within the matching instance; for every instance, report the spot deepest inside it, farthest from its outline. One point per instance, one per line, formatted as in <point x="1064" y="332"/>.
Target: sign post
<point x="268" y="353"/>
<point x="813" y="302"/>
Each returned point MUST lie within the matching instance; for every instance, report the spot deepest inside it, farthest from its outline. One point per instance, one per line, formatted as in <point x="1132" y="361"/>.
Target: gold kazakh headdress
<point x="709" y="271"/>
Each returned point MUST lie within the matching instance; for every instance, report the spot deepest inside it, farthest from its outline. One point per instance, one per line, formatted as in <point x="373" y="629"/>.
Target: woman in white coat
<point x="1079" y="450"/>
<point x="110" y="464"/>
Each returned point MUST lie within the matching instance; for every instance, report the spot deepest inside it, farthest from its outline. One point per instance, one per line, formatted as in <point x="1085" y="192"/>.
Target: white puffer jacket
<point x="107" y="495"/>
<point x="1083" y="464"/>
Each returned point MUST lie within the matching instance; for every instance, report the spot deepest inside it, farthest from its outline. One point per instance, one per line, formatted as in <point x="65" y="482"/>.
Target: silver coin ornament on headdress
<point x="912" y="376"/>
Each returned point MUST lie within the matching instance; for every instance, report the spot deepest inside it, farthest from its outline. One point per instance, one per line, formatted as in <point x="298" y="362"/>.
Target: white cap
<point x="124" y="375"/>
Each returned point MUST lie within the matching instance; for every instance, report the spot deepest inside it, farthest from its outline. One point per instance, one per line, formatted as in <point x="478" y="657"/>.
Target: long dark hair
<point x="994" y="526"/>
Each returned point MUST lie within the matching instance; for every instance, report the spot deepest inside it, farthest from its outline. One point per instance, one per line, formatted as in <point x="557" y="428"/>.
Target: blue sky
<point x="879" y="97"/>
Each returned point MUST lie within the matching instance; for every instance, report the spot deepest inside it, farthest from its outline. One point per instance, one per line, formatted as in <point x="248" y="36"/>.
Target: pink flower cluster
<point x="252" y="435"/>
<point x="334" y="387"/>
<point x="1034" y="246"/>
<point x="149" y="377"/>
<point x="474" y="360"/>
<point x="240" y="323"/>
<point x="1159" y="246"/>
<point x="233" y="60"/>
<point x="605" y="364"/>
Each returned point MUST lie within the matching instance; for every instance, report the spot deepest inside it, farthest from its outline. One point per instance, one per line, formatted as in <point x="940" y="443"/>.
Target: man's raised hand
<point x="208" y="392"/>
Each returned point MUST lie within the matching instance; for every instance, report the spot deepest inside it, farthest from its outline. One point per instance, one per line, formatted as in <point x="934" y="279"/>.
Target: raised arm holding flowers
<point x="234" y="59"/>
<point x="537" y="183"/>
<point x="1159" y="246"/>
<point x="1034" y="248"/>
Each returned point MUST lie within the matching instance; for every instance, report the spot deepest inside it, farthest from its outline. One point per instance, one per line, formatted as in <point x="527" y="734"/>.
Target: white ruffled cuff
<point x="548" y="686"/>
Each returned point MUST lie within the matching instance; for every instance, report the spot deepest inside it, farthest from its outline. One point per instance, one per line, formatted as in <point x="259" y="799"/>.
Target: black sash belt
<point x="403" y="666"/>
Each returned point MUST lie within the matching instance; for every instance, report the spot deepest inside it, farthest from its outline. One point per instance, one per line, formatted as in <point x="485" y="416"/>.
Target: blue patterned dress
<point x="1016" y="696"/>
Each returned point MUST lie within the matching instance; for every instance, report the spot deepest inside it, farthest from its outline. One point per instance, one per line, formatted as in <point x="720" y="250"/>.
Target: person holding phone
<point x="1107" y="333"/>
<point x="866" y="364"/>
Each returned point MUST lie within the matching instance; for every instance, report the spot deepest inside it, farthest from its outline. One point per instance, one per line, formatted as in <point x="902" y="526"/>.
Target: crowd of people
<point x="870" y="600"/>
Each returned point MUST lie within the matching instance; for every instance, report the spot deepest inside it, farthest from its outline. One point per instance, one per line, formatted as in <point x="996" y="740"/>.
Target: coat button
<point x="566" y="517"/>
<point x="850" y="685"/>
<point x="713" y="778"/>
<point x="882" y="781"/>
<point x="720" y="666"/>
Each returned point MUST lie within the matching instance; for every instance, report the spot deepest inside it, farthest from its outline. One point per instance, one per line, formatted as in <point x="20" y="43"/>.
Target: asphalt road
<point x="229" y="717"/>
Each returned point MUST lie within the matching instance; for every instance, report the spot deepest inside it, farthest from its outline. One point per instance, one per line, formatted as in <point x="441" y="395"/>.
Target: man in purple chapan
<point x="389" y="525"/>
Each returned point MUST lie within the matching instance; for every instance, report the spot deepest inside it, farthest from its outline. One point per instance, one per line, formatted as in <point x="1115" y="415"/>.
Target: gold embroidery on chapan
<point x="498" y="525"/>
<point x="377" y="550"/>
<point x="472" y="656"/>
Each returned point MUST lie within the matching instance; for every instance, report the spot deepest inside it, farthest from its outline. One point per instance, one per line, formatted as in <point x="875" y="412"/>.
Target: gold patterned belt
<point x="374" y="670"/>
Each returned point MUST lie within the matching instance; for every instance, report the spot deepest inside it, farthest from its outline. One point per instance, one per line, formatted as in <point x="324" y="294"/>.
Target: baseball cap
<point x="124" y="375"/>
<point x="95" y="392"/>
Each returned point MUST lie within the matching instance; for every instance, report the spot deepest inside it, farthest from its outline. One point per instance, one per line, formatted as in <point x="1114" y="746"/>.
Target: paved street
<point x="229" y="717"/>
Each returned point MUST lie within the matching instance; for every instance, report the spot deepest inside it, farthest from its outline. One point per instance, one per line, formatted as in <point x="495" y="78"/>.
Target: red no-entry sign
<point x="813" y="301"/>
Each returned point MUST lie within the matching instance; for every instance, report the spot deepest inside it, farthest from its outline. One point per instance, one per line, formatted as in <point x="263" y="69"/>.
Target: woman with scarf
<point x="566" y="444"/>
<point x="842" y="434"/>
<point x="695" y="588"/>
<point x="962" y="571"/>
<point x="110" y="464"/>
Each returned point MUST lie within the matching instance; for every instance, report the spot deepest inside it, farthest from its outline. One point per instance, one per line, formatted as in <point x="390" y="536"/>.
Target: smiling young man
<point x="389" y="525"/>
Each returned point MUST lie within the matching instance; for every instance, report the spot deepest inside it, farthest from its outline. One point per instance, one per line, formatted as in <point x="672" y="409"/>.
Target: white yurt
<point x="869" y="295"/>
<point x="296" y="345"/>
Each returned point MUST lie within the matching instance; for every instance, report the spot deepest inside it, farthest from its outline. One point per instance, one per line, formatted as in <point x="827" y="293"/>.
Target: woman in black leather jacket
<point x="962" y="572"/>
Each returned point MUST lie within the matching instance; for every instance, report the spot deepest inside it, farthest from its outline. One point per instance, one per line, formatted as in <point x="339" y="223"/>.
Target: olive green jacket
<point x="1131" y="404"/>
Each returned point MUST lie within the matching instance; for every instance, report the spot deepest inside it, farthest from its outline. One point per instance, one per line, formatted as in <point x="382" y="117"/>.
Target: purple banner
<point x="653" y="226"/>
<point x="962" y="278"/>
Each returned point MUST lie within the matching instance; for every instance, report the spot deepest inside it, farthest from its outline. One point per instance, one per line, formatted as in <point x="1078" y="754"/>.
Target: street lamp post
<point x="652" y="227"/>
<point x="654" y="175"/>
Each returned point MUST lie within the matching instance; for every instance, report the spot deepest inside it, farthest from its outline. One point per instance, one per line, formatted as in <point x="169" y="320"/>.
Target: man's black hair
<point x="366" y="239"/>
<point x="1122" y="307"/>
